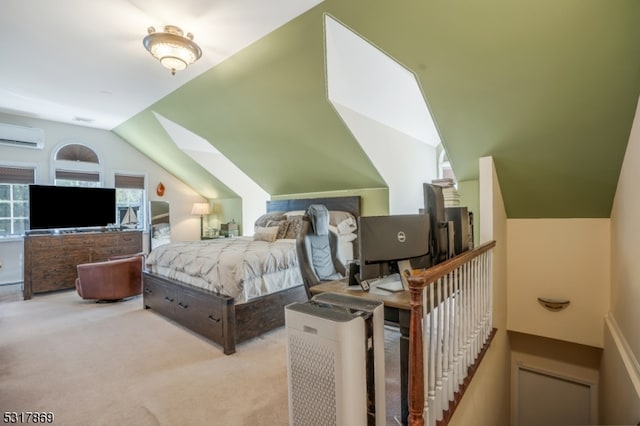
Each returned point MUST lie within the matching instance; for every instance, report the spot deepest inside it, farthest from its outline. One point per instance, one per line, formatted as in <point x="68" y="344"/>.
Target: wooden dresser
<point x="50" y="260"/>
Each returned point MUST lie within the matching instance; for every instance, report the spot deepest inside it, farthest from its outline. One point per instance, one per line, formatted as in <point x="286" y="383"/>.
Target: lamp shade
<point x="200" y="209"/>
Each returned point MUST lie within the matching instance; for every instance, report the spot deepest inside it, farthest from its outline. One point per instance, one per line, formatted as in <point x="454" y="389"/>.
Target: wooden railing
<point x="450" y="327"/>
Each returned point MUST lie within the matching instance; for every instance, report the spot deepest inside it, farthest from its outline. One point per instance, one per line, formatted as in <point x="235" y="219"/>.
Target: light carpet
<point x="119" y="364"/>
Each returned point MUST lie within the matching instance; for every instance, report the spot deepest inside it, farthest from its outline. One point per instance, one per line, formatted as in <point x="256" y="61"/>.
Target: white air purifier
<point x="335" y="361"/>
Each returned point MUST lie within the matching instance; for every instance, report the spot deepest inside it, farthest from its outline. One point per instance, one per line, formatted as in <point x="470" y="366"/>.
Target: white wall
<point x="117" y="156"/>
<point x="620" y="370"/>
<point x="402" y="161"/>
<point x="486" y="400"/>
<point x="11" y="260"/>
<point x="560" y="259"/>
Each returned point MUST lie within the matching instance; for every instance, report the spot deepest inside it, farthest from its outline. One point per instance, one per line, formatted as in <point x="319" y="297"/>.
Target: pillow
<point x="268" y="233"/>
<point x="338" y="216"/>
<point x="282" y="225"/>
<point x="343" y="237"/>
<point x="262" y="220"/>
<point x="347" y="226"/>
<point x="295" y="213"/>
<point x="295" y="225"/>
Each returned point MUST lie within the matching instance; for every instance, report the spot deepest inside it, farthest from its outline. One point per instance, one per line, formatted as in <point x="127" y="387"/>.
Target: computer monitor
<point x="385" y="240"/>
<point x="434" y="208"/>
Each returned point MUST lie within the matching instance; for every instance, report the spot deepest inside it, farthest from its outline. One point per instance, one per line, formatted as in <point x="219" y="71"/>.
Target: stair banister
<point x="463" y="268"/>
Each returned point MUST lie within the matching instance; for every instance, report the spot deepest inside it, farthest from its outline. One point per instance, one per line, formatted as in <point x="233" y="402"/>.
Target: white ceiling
<point x="82" y="62"/>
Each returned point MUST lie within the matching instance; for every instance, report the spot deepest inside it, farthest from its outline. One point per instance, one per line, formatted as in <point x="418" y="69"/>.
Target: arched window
<point x="75" y="164"/>
<point x="77" y="152"/>
<point x="444" y="167"/>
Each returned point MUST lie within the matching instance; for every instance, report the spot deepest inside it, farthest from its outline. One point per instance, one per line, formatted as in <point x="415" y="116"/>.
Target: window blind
<point x="129" y="181"/>
<point x="77" y="175"/>
<point x="17" y="175"/>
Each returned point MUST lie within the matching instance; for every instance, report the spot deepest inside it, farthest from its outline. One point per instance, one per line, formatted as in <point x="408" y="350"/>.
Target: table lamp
<point x="200" y="209"/>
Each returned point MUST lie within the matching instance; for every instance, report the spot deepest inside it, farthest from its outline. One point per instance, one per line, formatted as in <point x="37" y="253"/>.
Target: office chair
<point x="317" y="249"/>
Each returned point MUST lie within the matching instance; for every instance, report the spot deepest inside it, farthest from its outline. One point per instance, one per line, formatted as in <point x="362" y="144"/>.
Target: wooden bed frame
<point x="217" y="317"/>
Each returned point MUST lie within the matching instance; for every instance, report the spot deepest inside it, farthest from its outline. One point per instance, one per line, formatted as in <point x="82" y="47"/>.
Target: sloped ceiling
<point x="547" y="88"/>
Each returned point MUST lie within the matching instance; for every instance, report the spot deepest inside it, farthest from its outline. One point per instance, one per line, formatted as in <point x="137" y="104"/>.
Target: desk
<point x="397" y="310"/>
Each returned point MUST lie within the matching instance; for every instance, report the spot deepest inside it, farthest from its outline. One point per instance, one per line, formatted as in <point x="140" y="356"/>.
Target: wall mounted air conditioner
<point x="21" y="136"/>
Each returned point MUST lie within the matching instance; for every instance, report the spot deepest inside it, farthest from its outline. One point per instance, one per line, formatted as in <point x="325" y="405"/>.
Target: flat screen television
<point x="59" y="207"/>
<point x="385" y="240"/>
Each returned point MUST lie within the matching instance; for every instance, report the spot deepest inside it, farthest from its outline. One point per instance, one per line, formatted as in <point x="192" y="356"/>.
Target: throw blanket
<point x="238" y="267"/>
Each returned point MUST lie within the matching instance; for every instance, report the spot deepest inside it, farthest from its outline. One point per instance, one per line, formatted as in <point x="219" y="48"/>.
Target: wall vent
<point x="21" y="136"/>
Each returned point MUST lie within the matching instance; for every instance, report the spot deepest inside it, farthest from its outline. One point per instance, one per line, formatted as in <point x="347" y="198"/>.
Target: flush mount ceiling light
<point x="174" y="50"/>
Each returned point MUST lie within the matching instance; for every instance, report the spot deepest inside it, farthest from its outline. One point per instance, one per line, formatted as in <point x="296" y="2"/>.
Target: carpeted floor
<point x="116" y="363"/>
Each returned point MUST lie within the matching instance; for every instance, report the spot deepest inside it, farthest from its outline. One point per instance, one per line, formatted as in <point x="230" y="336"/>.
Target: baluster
<point x="463" y="325"/>
<point x="490" y="278"/>
<point x="476" y="309"/>
<point x="485" y="302"/>
<point x="446" y="350"/>
<point x="485" y="299"/>
<point x="456" y="334"/>
<point x="474" y="313"/>
<point x="468" y="326"/>
<point x="431" y="393"/>
<point x="480" y="310"/>
<point x="439" y="348"/>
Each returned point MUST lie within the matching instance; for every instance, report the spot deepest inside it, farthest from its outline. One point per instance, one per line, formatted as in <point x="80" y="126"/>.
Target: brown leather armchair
<point x="114" y="279"/>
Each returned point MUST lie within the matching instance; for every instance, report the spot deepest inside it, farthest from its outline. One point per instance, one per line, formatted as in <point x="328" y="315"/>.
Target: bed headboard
<point x="349" y="204"/>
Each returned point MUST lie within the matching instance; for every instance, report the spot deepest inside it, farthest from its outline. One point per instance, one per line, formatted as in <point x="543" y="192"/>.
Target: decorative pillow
<point x="338" y="216"/>
<point x="347" y="226"/>
<point x="295" y="225"/>
<point x="295" y="213"/>
<point x="265" y="233"/>
<point x="343" y="237"/>
<point x="283" y="226"/>
<point x="262" y="220"/>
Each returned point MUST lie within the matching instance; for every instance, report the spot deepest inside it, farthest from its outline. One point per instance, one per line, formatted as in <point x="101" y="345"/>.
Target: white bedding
<point x="238" y="267"/>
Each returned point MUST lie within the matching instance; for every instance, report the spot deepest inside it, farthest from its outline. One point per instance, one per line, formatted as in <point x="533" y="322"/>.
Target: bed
<point x="189" y="284"/>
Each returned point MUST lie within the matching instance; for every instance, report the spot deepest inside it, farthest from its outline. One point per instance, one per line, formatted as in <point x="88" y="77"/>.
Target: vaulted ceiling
<point x="548" y="88"/>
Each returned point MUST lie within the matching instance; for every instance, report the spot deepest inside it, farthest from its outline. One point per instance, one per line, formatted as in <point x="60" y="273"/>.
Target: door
<point x="546" y="399"/>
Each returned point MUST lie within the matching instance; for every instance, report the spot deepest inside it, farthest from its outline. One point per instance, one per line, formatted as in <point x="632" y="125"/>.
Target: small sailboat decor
<point x="129" y="218"/>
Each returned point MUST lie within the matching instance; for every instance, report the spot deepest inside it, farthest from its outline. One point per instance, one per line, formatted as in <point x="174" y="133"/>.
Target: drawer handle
<point x="147" y="290"/>
<point x="211" y="318"/>
<point x="168" y="299"/>
<point x="183" y="306"/>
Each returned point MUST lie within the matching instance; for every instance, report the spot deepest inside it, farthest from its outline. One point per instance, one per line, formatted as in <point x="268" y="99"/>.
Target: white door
<point x="545" y="399"/>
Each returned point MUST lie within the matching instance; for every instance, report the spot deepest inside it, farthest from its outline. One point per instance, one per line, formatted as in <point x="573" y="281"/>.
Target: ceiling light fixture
<point x="172" y="48"/>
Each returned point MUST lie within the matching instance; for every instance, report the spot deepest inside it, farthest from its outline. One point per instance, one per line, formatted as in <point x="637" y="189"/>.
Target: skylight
<point x="364" y="79"/>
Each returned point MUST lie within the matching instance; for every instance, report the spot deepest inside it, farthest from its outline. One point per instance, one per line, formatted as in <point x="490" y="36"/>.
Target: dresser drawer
<point x="199" y="313"/>
<point x="53" y="277"/>
<point x="75" y="241"/>
<point x="43" y="242"/>
<point x="130" y="239"/>
<point x="159" y="297"/>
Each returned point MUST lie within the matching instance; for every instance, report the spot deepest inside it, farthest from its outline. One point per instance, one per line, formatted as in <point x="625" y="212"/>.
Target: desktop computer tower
<point x="462" y="235"/>
<point x="335" y="361"/>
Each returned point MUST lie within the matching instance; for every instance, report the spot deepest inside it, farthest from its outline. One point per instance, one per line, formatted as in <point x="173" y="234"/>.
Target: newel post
<point x="416" y="359"/>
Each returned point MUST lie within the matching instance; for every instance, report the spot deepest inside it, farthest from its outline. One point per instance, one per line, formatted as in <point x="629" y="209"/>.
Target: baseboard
<point x="628" y="357"/>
